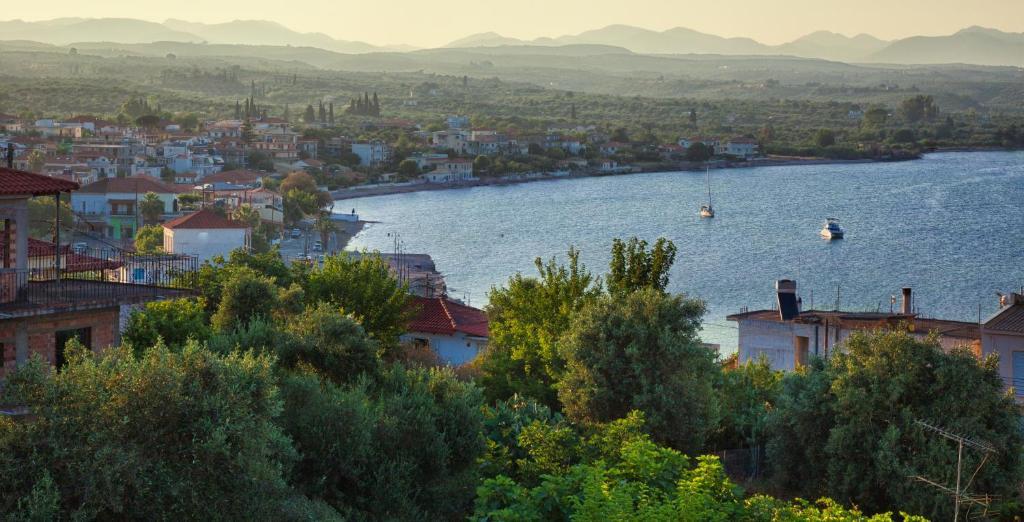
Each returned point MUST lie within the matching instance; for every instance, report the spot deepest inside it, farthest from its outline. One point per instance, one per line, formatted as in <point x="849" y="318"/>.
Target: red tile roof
<point x="205" y="218"/>
<point x="129" y="185"/>
<point x="21" y="183"/>
<point x="240" y="177"/>
<point x="446" y="317"/>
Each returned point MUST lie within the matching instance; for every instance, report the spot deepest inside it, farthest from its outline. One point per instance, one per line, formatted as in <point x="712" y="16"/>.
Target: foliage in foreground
<point x="624" y="476"/>
<point x="162" y="435"/>
<point x="846" y="427"/>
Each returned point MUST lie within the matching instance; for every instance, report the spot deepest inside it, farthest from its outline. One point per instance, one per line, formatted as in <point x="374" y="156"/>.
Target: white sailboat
<point x="707" y="211"/>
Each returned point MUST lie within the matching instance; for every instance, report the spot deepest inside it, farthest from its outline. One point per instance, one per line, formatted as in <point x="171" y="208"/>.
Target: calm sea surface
<point x="950" y="225"/>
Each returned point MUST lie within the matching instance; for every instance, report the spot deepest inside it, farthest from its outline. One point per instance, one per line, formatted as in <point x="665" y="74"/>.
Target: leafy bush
<point x="176" y="321"/>
<point x="179" y="435"/>
<point x="846" y="427"/>
<point x="642" y="352"/>
<point x="402" y="448"/>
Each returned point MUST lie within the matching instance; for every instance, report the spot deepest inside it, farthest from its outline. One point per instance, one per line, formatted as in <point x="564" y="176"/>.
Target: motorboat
<point x="832" y="230"/>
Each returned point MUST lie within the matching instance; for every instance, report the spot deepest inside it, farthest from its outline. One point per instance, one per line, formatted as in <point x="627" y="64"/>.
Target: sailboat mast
<point x="707" y="177"/>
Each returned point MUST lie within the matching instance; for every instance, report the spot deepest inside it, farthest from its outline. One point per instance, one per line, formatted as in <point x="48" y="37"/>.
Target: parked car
<point x="296" y="233"/>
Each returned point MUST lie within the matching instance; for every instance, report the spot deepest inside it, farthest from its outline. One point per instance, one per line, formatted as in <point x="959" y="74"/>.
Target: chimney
<point x="907" y="306"/>
<point x="785" y="291"/>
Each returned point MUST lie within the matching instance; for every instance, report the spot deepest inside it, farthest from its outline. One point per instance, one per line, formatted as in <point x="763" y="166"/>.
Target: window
<point x="84" y="336"/>
<point x="1017" y="378"/>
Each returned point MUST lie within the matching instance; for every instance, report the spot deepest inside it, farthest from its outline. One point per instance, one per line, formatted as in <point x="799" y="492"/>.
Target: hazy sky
<point x="425" y="23"/>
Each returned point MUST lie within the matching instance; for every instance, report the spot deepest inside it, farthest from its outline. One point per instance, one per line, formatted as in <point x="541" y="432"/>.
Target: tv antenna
<point x="959" y="492"/>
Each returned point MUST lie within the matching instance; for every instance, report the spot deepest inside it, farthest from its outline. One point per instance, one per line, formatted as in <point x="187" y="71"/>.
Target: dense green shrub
<point x="846" y="427"/>
<point x="176" y="321"/>
<point x="163" y="435"/>
<point x="642" y="352"/>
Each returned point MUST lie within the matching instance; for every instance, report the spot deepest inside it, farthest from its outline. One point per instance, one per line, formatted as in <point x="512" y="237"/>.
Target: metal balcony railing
<point x="108" y="275"/>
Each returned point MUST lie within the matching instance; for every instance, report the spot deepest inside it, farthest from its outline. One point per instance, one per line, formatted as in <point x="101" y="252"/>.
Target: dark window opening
<point x="83" y="335"/>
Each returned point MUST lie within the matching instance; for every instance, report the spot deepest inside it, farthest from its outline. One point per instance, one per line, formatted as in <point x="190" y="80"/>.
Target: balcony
<point x="92" y="278"/>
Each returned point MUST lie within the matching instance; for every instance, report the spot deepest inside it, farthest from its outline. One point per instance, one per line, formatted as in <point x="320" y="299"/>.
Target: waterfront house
<point x="454" y="331"/>
<point x="612" y="148"/>
<point x="450" y="171"/>
<point x="741" y="148"/>
<point x="789" y="336"/>
<point x="714" y="144"/>
<point x="49" y="295"/>
<point x="1002" y="334"/>
<point x="205" y="234"/>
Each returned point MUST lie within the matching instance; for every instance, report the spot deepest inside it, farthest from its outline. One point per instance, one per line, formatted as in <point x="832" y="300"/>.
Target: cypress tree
<point x="376" y="105"/>
<point x="330" y="113"/>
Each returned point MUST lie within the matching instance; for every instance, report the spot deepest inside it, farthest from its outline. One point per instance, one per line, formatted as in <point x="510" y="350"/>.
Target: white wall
<point x="454" y="350"/>
<point x="1004" y="346"/>
<point x="204" y="243"/>
<point x="776" y="341"/>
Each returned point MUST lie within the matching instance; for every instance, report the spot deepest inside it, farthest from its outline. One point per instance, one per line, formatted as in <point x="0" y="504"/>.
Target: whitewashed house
<point x="205" y="234"/>
<point x="741" y="147"/>
<point x="454" y="331"/>
<point x="450" y="171"/>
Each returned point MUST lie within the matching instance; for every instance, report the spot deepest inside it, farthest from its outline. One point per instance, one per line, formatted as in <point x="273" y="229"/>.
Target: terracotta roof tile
<point x="205" y="218"/>
<point x="128" y="185"/>
<point x="240" y="176"/>
<point x="18" y="183"/>
<point x="446" y="317"/>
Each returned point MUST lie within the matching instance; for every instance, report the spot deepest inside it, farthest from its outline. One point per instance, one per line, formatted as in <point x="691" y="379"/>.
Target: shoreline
<point x="776" y="161"/>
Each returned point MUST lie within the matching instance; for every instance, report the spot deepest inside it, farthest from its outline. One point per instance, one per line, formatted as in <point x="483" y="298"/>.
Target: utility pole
<point x="959" y="492"/>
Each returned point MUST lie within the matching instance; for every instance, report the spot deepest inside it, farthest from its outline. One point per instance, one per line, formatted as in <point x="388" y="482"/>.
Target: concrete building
<point x="1003" y="335"/>
<point x="205" y="234"/>
<point x="454" y="331"/>
<point x="789" y="336"/>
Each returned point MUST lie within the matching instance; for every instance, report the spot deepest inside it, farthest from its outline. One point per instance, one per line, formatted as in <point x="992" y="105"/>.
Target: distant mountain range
<point x="65" y="31"/>
<point x="973" y="45"/>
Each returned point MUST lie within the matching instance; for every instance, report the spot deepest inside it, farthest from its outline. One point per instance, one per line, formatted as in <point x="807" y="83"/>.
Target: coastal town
<point x="197" y="191"/>
<point x="261" y="273"/>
